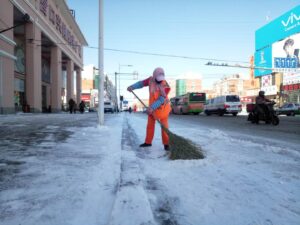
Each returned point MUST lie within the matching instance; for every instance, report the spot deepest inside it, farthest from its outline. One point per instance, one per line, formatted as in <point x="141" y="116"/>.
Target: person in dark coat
<point x="261" y="102"/>
<point x="81" y="106"/>
<point x="71" y="105"/>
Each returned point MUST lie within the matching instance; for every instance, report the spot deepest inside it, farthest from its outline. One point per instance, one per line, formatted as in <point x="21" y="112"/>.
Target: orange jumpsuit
<point x="161" y="113"/>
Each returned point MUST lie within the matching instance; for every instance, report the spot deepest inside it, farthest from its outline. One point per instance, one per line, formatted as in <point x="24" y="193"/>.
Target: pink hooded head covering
<point x="159" y="74"/>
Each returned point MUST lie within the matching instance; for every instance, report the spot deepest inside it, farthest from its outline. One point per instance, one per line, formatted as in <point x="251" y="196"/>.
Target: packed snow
<point x="100" y="176"/>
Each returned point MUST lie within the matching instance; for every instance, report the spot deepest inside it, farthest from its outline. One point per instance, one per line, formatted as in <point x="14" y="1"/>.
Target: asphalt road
<point x="288" y="129"/>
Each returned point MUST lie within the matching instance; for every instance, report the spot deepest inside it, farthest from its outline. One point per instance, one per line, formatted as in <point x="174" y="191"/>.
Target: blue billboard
<point x="280" y="28"/>
<point x="263" y="59"/>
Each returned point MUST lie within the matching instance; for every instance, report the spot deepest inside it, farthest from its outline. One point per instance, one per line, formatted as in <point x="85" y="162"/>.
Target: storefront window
<point x="19" y="94"/>
<point x="46" y="70"/>
<point x="20" y="55"/>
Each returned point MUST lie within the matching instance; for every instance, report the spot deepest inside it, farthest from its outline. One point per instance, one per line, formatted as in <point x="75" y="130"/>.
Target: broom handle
<point x="147" y="107"/>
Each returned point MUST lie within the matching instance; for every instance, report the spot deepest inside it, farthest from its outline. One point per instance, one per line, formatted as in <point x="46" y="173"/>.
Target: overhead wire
<point x="149" y="53"/>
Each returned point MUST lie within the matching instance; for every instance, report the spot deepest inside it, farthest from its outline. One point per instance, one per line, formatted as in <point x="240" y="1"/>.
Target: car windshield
<point x="232" y="98"/>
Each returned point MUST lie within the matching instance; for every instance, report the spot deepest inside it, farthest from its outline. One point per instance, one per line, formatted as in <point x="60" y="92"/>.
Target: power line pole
<point x="116" y="93"/>
<point x="100" y="66"/>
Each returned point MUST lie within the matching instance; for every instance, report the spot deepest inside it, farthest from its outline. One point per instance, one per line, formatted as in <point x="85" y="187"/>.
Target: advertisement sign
<point x="270" y="90"/>
<point x="266" y="81"/>
<point x="282" y="27"/>
<point x="263" y="59"/>
<point x="290" y="78"/>
<point x="286" y="52"/>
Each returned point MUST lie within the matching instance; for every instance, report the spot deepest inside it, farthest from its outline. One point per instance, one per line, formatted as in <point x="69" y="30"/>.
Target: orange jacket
<point x="155" y="91"/>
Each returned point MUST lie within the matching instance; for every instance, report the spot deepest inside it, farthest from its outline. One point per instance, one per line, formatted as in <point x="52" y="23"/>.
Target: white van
<point x="108" y="107"/>
<point x="227" y="104"/>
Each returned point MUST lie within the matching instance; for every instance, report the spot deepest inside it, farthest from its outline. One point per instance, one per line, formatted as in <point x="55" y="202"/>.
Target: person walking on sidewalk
<point x="159" y="105"/>
<point x="71" y="105"/>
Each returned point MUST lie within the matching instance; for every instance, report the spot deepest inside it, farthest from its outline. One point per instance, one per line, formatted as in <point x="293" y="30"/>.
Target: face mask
<point x="158" y="82"/>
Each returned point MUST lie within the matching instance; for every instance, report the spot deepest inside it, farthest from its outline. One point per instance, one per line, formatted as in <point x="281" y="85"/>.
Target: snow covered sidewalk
<point x="98" y="175"/>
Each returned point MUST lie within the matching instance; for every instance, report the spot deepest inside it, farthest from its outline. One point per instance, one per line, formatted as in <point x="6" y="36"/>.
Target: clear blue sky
<point x="221" y="29"/>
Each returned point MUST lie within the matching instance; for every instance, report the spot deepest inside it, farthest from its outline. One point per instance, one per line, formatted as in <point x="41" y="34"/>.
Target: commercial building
<point x="90" y="84"/>
<point x="277" y="47"/>
<point x="41" y="58"/>
<point x="188" y="85"/>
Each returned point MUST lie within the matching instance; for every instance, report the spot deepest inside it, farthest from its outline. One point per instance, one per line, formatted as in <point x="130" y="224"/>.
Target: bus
<point x="188" y="103"/>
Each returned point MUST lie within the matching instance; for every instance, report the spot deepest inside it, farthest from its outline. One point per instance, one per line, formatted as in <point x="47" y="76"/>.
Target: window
<point x="232" y="98"/>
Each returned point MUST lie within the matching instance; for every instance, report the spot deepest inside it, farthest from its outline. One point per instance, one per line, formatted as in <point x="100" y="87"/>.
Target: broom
<point x="181" y="148"/>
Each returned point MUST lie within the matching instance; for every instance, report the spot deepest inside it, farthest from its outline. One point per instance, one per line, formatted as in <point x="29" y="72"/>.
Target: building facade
<point x="41" y="56"/>
<point x="184" y="86"/>
<point x="230" y="85"/>
<point x="90" y="84"/>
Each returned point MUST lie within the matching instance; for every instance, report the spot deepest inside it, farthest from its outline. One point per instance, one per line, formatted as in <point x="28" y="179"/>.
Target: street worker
<point x="159" y="105"/>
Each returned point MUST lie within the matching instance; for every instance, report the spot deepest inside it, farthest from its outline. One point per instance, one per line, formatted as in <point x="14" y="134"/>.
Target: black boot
<point x="167" y="147"/>
<point x="145" y="145"/>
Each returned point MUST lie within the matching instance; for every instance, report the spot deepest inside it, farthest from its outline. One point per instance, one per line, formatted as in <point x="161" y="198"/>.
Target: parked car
<point x="289" y="109"/>
<point x="108" y="107"/>
<point x="226" y="104"/>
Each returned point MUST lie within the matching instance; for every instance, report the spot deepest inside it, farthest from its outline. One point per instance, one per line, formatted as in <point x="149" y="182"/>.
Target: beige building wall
<point x="7" y="59"/>
<point x="193" y="85"/>
<point x="51" y="33"/>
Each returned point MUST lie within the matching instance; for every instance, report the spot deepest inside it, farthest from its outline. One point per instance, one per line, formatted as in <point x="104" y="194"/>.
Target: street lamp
<point x="120" y="65"/>
<point x="100" y="66"/>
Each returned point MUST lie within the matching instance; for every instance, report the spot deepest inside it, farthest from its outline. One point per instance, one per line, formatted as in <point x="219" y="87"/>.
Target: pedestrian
<point x="130" y="109"/>
<point x="159" y="105"/>
<point x="81" y="106"/>
<point x="71" y="105"/>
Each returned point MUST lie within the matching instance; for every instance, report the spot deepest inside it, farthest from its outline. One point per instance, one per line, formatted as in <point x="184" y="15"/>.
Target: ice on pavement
<point x="98" y="175"/>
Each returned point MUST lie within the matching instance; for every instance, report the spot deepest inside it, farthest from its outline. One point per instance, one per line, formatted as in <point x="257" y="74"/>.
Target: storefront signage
<point x="86" y="97"/>
<point x="291" y="87"/>
<point x="60" y="26"/>
<point x="282" y="27"/>
<point x="290" y="78"/>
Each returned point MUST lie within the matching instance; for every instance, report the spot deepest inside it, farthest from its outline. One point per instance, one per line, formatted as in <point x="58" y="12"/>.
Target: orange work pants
<point x="151" y="129"/>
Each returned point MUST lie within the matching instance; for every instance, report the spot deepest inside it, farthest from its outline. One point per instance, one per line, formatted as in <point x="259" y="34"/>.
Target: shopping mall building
<point x="277" y="53"/>
<point x="41" y="56"/>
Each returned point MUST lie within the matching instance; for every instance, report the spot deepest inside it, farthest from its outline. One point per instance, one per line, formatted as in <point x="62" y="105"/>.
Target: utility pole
<point x="119" y="97"/>
<point x="100" y="66"/>
<point x="116" y="92"/>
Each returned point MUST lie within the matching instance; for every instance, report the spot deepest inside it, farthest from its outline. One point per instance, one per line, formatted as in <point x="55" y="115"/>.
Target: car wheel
<point x="207" y="113"/>
<point x="234" y="114"/>
<point x="292" y="113"/>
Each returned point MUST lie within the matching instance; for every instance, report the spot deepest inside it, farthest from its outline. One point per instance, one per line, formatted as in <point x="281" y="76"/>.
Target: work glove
<point x="149" y="111"/>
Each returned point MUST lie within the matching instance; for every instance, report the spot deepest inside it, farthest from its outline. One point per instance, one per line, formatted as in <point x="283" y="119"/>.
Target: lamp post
<point x="100" y="66"/>
<point x="120" y="83"/>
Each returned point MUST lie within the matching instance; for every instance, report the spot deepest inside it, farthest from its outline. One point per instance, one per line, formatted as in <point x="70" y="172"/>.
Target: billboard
<point x="263" y="59"/>
<point x="286" y="52"/>
<point x="282" y="27"/>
